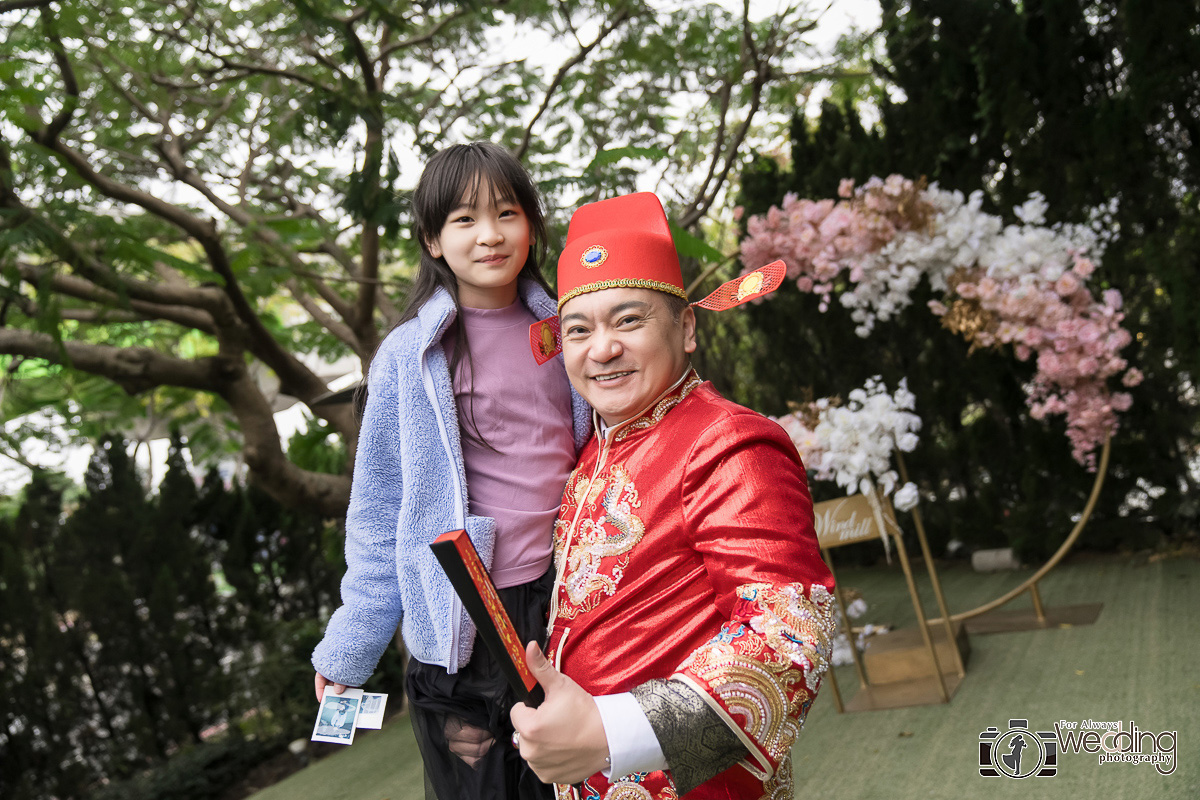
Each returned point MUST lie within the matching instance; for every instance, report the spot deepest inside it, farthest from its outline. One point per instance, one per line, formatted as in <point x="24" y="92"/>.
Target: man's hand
<point x="563" y="738"/>
<point x="320" y="682"/>
<point x="466" y="741"/>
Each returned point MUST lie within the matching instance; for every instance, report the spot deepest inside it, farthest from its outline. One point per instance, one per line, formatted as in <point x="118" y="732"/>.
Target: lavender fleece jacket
<point x="409" y="487"/>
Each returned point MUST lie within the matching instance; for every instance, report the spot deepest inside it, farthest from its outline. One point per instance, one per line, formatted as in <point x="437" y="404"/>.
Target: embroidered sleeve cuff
<point x="632" y="745"/>
<point x="696" y="740"/>
<point x="763" y="669"/>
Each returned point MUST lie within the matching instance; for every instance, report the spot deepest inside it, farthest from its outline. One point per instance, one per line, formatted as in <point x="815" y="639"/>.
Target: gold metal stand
<point x="910" y="684"/>
<point x="927" y="682"/>
<point x="1039" y="617"/>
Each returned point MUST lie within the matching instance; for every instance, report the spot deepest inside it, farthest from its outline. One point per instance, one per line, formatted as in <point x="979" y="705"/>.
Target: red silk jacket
<point x="685" y="548"/>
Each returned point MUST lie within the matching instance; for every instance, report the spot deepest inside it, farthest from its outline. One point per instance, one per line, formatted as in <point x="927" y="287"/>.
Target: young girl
<point x="462" y="429"/>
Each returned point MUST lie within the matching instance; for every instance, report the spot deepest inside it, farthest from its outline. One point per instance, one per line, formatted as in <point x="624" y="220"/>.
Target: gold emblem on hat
<point x="749" y="285"/>
<point x="593" y="257"/>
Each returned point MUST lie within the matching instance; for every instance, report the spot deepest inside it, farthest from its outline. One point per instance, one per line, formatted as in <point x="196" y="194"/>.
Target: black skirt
<point x="478" y="695"/>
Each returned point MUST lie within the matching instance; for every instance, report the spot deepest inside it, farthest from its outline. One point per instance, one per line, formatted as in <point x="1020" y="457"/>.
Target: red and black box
<point x="478" y="594"/>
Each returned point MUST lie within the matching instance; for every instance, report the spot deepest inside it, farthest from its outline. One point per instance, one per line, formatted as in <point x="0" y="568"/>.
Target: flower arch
<point x="1025" y="285"/>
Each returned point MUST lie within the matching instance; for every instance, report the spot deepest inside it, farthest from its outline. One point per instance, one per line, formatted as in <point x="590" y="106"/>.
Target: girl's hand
<point x="466" y="741"/>
<point x="320" y="682"/>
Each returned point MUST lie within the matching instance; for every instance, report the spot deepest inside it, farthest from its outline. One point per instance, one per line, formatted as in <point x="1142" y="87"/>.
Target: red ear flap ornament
<point x="545" y="339"/>
<point x="545" y="336"/>
<point x="750" y="286"/>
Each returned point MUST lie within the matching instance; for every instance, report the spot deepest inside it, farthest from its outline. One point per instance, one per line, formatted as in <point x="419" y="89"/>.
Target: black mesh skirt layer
<point x="478" y="695"/>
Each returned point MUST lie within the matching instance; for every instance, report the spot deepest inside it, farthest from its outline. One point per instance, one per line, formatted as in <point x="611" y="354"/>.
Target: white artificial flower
<point x="906" y="497"/>
<point x="854" y="444"/>
<point x="1033" y="210"/>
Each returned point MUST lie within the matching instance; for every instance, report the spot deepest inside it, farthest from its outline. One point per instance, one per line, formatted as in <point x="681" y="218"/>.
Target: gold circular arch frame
<point x="1030" y="584"/>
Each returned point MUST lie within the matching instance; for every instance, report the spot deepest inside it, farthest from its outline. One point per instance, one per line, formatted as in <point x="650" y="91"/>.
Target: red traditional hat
<point x="624" y="241"/>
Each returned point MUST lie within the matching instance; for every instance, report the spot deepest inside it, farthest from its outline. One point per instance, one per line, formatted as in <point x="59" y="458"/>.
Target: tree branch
<point x="12" y="449"/>
<point x="704" y="275"/>
<point x="264" y="69"/>
<point x="110" y="287"/>
<point x="101" y="316"/>
<point x="762" y="74"/>
<point x="134" y="369"/>
<point x="621" y="17"/>
<point x="255" y="69"/>
<point x="325" y="61"/>
<point x="338" y="329"/>
<point x="181" y="314"/>
<point x="270" y="468"/>
<point x="120" y="88"/>
<point x="137" y="369"/>
<point x="17" y="5"/>
<point x="95" y="274"/>
<point x="263" y="234"/>
<point x="295" y="378"/>
<point x="422" y="38"/>
<point x="726" y="93"/>
<point x="360" y="55"/>
<point x="70" y="84"/>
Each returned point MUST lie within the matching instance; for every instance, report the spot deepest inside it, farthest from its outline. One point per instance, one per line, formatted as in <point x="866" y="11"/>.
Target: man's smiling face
<point x="623" y="348"/>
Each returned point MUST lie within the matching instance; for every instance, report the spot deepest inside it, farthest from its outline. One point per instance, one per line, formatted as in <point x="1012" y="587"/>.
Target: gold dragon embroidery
<point x="610" y="534"/>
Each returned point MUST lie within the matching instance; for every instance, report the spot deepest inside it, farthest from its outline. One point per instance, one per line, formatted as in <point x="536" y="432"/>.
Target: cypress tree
<point x="1085" y="103"/>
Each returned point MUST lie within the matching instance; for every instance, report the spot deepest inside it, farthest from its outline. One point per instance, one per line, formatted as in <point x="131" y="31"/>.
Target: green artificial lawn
<point x="1139" y="662"/>
<point x="380" y="765"/>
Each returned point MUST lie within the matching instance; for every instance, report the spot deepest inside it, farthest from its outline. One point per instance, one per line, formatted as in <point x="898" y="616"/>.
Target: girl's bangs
<point x="500" y="185"/>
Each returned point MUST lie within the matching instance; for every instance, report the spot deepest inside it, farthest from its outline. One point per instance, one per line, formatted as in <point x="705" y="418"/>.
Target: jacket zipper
<point x="456" y="609"/>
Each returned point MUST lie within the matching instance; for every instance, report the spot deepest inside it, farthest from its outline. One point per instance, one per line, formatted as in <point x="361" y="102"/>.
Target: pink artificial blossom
<point x="1066" y="284"/>
<point x="1034" y="302"/>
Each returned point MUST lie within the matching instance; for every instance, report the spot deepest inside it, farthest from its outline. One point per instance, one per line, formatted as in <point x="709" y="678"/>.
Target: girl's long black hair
<point x="452" y="177"/>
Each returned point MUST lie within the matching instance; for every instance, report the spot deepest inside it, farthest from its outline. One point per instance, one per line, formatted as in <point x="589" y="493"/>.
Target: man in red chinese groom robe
<point x="692" y="613"/>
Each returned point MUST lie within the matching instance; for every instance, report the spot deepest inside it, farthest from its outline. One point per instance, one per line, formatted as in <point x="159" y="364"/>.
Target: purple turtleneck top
<point x="524" y="412"/>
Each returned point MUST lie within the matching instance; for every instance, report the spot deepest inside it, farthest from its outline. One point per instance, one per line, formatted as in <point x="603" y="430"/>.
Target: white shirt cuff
<point x="632" y="745"/>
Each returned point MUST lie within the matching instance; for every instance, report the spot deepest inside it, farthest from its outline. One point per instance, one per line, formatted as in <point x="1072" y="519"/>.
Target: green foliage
<point x="690" y="246"/>
<point x="318" y="448"/>
<point x="255" y="160"/>
<point x="134" y="626"/>
<point x="200" y="772"/>
<point x="1084" y="103"/>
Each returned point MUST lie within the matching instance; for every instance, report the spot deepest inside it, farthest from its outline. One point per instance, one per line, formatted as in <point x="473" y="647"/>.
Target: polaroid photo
<point x="370" y="712"/>
<point x="336" y="717"/>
